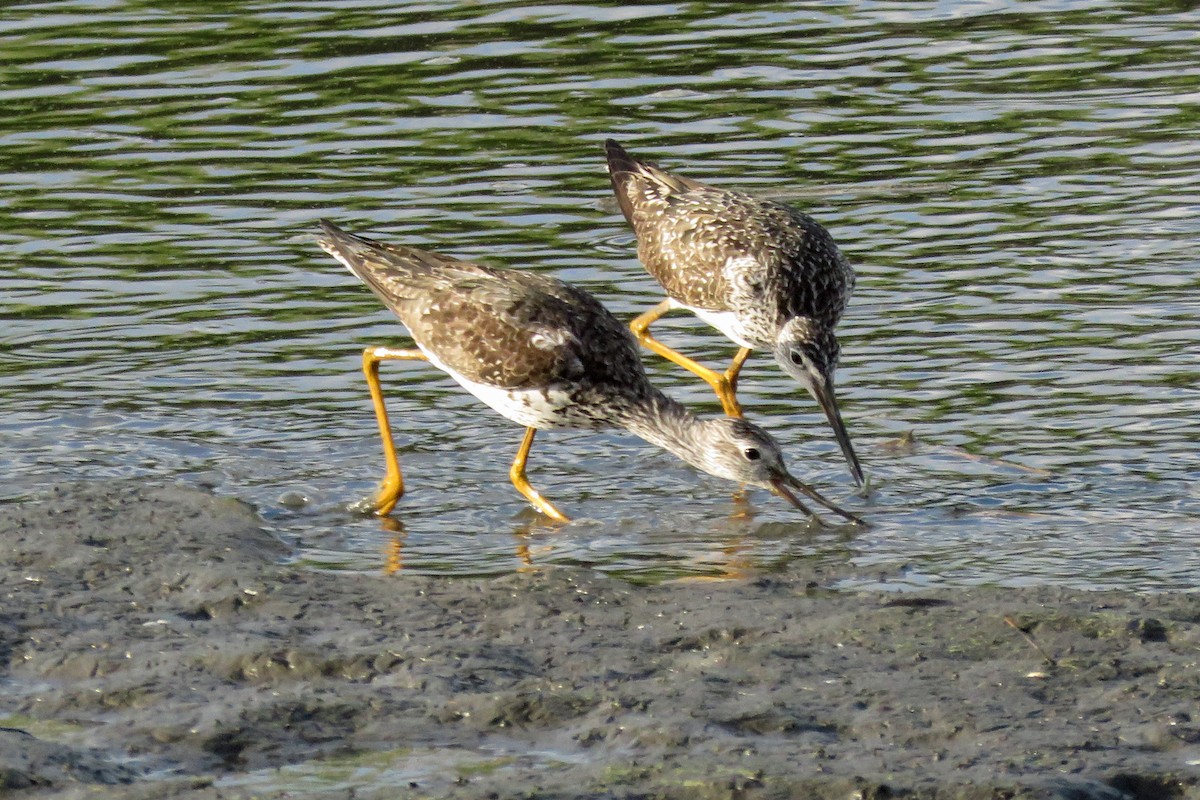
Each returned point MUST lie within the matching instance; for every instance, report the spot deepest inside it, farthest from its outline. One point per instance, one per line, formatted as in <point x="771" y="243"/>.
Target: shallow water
<point x="1016" y="185"/>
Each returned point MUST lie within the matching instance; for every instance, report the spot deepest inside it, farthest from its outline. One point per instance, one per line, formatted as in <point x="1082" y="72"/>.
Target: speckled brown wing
<point x="688" y="232"/>
<point x="522" y="331"/>
<point x="506" y="328"/>
<point x="677" y="226"/>
<point x="802" y="265"/>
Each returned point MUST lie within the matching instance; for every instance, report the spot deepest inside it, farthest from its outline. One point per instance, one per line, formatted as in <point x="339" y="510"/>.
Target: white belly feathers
<point x="532" y="408"/>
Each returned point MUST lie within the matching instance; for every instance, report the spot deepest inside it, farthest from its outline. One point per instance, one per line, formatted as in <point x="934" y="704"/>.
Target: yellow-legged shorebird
<point x="761" y="272"/>
<point x="545" y="354"/>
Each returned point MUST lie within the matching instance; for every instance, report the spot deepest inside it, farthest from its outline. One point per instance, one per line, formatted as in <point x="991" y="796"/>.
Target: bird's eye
<point x="752" y="453"/>
<point x="797" y="358"/>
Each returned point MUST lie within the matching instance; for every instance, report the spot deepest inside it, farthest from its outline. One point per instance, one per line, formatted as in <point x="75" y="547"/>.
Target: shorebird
<point x="545" y="354"/>
<point x="760" y="272"/>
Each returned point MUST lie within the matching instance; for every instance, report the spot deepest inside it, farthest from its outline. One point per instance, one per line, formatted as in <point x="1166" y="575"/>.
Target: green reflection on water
<point x="1016" y="188"/>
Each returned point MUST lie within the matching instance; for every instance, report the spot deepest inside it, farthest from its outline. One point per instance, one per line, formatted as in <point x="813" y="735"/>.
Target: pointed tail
<point x="622" y="168"/>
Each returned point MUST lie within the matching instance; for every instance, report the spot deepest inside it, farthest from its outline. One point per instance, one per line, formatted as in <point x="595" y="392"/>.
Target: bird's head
<point x="809" y="353"/>
<point x="743" y="452"/>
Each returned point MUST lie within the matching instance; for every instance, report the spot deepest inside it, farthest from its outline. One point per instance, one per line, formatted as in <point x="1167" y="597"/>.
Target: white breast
<point x="726" y="322"/>
<point x="531" y="408"/>
<point x="740" y="272"/>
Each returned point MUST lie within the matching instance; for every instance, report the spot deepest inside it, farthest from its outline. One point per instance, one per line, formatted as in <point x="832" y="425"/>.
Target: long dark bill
<point x="781" y="487"/>
<point x="823" y="391"/>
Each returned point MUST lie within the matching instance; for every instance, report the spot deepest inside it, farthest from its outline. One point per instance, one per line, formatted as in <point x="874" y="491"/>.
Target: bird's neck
<point x="668" y="424"/>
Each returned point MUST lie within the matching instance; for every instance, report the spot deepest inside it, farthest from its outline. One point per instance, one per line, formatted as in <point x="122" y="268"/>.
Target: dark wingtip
<point x="618" y="159"/>
<point x="344" y="238"/>
<point x="332" y="238"/>
<point x="620" y="167"/>
<point x="335" y="241"/>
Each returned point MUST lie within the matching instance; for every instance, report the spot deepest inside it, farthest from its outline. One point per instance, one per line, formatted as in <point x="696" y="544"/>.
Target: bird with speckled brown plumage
<point x="761" y="272"/>
<point x="544" y="354"/>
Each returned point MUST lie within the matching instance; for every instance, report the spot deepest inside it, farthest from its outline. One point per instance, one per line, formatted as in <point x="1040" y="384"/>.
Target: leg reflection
<point x="530" y="551"/>
<point x="525" y="549"/>
<point x="393" y="551"/>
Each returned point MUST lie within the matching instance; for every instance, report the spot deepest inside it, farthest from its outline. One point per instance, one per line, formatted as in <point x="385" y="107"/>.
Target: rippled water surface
<point x="1017" y="184"/>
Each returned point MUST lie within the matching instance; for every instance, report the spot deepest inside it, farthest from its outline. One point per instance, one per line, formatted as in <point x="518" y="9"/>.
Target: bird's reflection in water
<point x="531" y="548"/>
<point x="393" y="551"/>
<point x="729" y="562"/>
<point x="732" y="554"/>
<point x="527" y="553"/>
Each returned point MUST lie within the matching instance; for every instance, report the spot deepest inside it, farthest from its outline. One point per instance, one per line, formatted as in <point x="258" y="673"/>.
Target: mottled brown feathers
<point x="688" y="233"/>
<point x="507" y="328"/>
<point x="546" y="354"/>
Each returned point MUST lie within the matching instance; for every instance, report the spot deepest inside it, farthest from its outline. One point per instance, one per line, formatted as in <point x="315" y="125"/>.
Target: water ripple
<point x="1014" y="183"/>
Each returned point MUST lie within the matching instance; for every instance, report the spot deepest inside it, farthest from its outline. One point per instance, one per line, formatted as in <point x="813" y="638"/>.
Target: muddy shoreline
<point x="156" y="643"/>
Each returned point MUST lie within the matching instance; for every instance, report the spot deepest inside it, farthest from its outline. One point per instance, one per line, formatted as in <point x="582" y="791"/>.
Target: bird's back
<point x="721" y="250"/>
<point x="507" y="329"/>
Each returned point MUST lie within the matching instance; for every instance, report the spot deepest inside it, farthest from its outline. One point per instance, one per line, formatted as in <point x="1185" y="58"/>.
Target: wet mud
<point x="157" y="642"/>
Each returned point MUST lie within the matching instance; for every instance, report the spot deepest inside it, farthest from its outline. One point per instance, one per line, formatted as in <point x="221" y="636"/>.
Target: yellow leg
<point x="392" y="485"/>
<point x="720" y="383"/>
<point x="517" y="475"/>
<point x="735" y="368"/>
